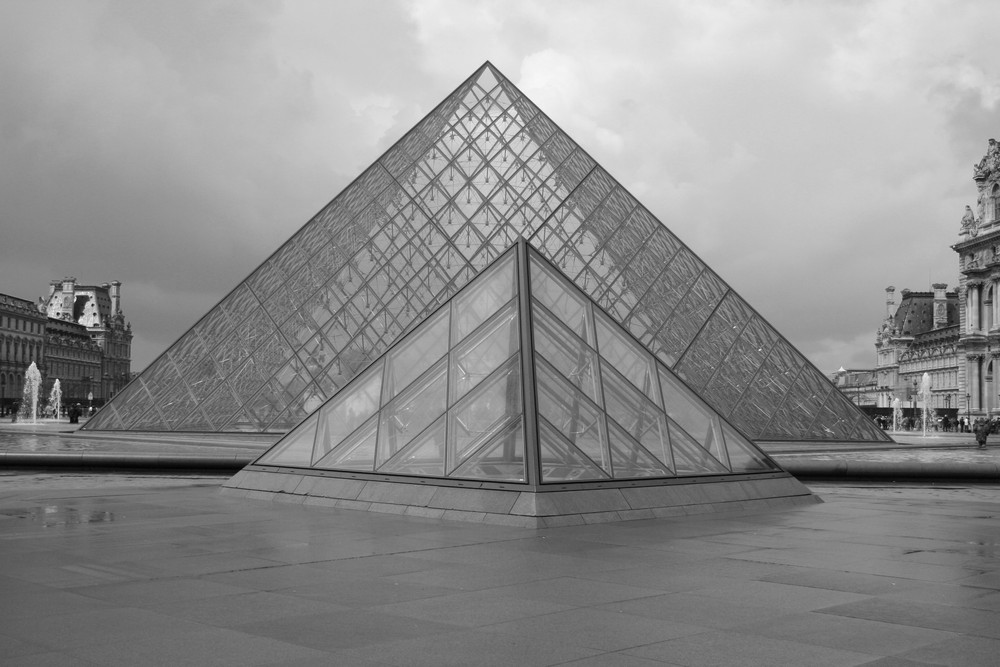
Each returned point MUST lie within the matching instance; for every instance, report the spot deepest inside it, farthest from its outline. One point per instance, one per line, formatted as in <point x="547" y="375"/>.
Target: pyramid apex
<point x="484" y="167"/>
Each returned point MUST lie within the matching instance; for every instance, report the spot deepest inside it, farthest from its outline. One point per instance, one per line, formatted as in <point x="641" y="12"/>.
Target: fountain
<point x="55" y="399"/>
<point x="897" y="413"/>
<point x="29" y="398"/>
<point x="925" y="396"/>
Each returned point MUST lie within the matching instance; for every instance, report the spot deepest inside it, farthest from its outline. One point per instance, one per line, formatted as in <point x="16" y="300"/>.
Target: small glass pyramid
<point x="520" y="385"/>
<point x="483" y="169"/>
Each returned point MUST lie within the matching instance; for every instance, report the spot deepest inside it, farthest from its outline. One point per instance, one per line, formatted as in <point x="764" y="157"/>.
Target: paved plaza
<point x="151" y="570"/>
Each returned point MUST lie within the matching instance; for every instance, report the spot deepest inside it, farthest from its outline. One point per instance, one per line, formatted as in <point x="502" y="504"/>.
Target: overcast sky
<point x="812" y="153"/>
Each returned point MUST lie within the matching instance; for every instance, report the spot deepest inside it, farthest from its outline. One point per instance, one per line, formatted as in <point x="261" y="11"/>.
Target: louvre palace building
<point x="77" y="334"/>
<point x="952" y="336"/>
<point x="486" y="310"/>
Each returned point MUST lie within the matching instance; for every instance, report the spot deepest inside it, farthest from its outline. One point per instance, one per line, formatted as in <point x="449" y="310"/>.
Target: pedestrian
<point x="982" y="431"/>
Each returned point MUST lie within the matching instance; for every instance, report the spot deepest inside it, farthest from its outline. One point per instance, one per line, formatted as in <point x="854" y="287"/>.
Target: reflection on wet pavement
<point x="923" y="455"/>
<point x="50" y="441"/>
<point x="58" y="515"/>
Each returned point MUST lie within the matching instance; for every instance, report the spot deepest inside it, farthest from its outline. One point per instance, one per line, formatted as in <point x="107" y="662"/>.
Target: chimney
<point x="68" y="298"/>
<point x="940" y="305"/>
<point x="890" y="301"/>
<point x="116" y="296"/>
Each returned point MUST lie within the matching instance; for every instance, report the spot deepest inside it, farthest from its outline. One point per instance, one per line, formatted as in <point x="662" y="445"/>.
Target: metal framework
<point x="481" y="170"/>
<point x="519" y="379"/>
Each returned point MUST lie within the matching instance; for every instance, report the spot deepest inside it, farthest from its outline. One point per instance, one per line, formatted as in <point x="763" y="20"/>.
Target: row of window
<point x="116" y="350"/>
<point x="940" y="380"/>
<point x="71" y="370"/>
<point x="932" y="363"/>
<point x="20" y="350"/>
<point x="25" y="351"/>
<point x="19" y="324"/>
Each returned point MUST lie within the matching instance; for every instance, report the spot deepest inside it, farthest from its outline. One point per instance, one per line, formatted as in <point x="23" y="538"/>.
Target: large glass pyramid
<point x="481" y="170"/>
<point x="516" y="384"/>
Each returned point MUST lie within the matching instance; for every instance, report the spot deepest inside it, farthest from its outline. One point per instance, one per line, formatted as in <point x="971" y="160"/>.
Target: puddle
<point x="49" y="516"/>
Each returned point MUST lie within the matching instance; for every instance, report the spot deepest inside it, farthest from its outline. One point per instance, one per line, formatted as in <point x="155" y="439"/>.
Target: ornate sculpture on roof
<point x="886" y="331"/>
<point x="990" y="164"/>
<point x="970" y="224"/>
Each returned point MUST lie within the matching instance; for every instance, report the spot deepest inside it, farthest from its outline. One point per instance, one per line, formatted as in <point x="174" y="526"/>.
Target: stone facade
<point x="22" y="340"/>
<point x="954" y="337"/>
<point x="979" y="288"/>
<point x="96" y="308"/>
<point x="78" y="335"/>
<point x="919" y="335"/>
<point x="75" y="358"/>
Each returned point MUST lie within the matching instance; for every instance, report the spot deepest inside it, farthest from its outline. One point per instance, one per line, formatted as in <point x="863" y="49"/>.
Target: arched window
<point x="995" y="202"/>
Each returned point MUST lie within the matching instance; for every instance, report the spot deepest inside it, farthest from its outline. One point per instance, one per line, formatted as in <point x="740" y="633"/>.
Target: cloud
<point x="811" y="152"/>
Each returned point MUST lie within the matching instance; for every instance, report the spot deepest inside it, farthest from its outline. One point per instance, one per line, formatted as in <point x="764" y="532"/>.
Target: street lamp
<point x="913" y="402"/>
<point x="968" y="411"/>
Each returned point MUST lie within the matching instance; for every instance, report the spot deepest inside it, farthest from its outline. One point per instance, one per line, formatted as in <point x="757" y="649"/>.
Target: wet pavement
<point x="126" y="569"/>
<point x="119" y="570"/>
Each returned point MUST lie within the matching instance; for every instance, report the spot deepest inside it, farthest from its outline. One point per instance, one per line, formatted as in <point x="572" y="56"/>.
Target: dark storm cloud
<point x="812" y="153"/>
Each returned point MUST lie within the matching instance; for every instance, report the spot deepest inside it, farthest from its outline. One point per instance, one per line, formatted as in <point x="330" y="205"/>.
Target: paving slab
<point x="125" y="570"/>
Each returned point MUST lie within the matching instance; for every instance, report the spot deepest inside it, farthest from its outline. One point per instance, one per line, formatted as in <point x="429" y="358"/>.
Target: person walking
<point x="982" y="432"/>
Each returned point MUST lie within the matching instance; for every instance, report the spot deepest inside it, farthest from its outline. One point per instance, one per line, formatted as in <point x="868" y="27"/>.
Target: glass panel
<point x="295" y="449"/>
<point x="196" y="422"/>
<point x="765" y="394"/>
<point x="734" y="375"/>
<point x="480" y="354"/>
<point x="566" y="408"/>
<point x="570" y="355"/>
<point x="412" y="411"/>
<point x="567" y="305"/>
<point x="243" y="420"/>
<point x="869" y="431"/>
<point x="485" y="410"/>
<point x="743" y="456"/>
<point x="176" y="405"/>
<point x="478" y="304"/>
<point x="628" y="358"/>
<point x="636" y="414"/>
<point x="221" y="406"/>
<point x="213" y="327"/>
<point x="683" y="407"/>
<point x="346" y="411"/>
<point x="424" y="456"/>
<point x="355" y="453"/>
<point x="304" y="405"/>
<point x="630" y="459"/>
<point x="416" y="353"/>
<point x="690" y="314"/>
<point x="268" y="403"/>
<point x="499" y="460"/>
<point x="561" y="461"/>
<point x="799" y="402"/>
<point x="690" y="458"/>
<point x="750" y="418"/>
<point x="836" y="419"/>
<point x="713" y="342"/>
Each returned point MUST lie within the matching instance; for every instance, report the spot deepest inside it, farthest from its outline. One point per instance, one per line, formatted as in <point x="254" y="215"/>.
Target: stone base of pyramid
<point x="524" y="508"/>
